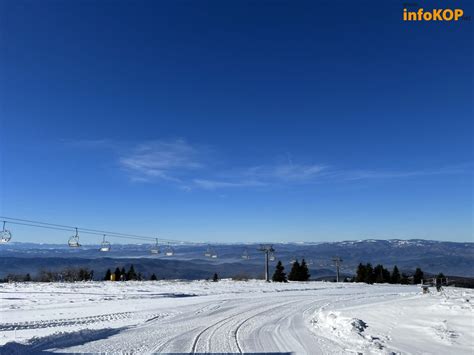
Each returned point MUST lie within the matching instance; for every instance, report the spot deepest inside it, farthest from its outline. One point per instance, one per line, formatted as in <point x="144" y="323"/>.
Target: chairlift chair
<point x="169" y="251"/>
<point x="208" y="252"/>
<point x="155" y="249"/>
<point x="105" y="246"/>
<point x="5" y="235"/>
<point x="245" y="254"/>
<point x="272" y="257"/>
<point x="74" y="240"/>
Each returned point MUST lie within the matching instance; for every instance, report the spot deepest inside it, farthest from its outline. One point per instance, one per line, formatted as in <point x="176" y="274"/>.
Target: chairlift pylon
<point x="5" y="234"/>
<point x="155" y="249"/>
<point x="105" y="245"/>
<point x="74" y="240"/>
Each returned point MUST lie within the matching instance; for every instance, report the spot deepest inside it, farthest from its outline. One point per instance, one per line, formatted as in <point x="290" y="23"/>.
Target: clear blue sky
<point x="236" y="120"/>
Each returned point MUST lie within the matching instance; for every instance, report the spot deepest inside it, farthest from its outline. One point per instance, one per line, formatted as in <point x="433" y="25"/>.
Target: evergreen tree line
<point x="123" y="275"/>
<point x="298" y="272"/>
<point x="67" y="275"/>
<point x="378" y="274"/>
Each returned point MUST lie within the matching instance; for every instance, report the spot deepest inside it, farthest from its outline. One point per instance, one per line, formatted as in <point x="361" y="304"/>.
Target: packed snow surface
<point x="234" y="317"/>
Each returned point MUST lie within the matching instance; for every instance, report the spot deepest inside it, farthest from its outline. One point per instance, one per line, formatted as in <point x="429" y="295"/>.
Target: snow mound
<point x="349" y="332"/>
<point x="336" y="323"/>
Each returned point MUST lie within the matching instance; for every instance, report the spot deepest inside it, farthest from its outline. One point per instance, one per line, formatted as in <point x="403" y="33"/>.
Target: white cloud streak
<point x="191" y="167"/>
<point x="165" y="160"/>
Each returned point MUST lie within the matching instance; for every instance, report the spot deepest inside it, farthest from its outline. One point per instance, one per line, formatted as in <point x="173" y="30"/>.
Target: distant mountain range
<point x="189" y="262"/>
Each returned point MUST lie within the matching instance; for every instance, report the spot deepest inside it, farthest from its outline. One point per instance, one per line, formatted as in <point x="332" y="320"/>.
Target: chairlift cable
<point x="62" y="227"/>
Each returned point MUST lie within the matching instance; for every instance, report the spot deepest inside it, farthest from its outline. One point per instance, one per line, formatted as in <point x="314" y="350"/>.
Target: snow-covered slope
<point x="231" y="316"/>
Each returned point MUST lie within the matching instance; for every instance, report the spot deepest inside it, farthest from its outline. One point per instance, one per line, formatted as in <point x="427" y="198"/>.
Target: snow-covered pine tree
<point x="279" y="274"/>
<point x="153" y="277"/>
<point x="107" y="275"/>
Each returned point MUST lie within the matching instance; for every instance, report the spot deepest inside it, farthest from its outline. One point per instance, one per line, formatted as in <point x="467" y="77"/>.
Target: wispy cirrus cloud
<point x="390" y="174"/>
<point x="286" y="172"/>
<point x="194" y="167"/>
<point x="167" y="160"/>
<point x="221" y="184"/>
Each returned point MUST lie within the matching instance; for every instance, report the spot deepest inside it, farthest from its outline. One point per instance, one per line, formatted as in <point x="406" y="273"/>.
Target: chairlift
<point x="294" y="260"/>
<point x="210" y="253"/>
<point x="155" y="249"/>
<point x="5" y="235"/>
<point x="105" y="246"/>
<point x="169" y="251"/>
<point x="74" y="240"/>
<point x="272" y="257"/>
<point x="245" y="254"/>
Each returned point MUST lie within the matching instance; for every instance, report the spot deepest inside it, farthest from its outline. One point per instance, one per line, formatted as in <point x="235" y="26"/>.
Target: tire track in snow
<point x="65" y="322"/>
<point x="224" y="321"/>
<point x="236" y="332"/>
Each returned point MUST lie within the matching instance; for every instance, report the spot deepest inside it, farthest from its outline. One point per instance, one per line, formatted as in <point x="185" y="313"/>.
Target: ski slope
<point x="234" y="316"/>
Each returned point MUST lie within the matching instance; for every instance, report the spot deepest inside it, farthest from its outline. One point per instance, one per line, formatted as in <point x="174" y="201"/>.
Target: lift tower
<point x="267" y="249"/>
<point x="337" y="261"/>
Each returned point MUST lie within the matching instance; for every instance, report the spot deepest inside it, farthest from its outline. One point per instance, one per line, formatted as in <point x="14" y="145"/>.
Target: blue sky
<point x="236" y="120"/>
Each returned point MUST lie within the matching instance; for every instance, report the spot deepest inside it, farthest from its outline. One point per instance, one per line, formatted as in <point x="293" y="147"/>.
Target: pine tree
<point x="395" y="278"/>
<point x="418" y="276"/>
<point x="27" y="278"/>
<point x="361" y="273"/>
<point x="386" y="276"/>
<point x="215" y="278"/>
<point x="123" y="274"/>
<point x="404" y="279"/>
<point x="153" y="277"/>
<point x="117" y="274"/>
<point x="107" y="275"/>
<point x="439" y="281"/>
<point x="294" y="272"/>
<point x="369" y="274"/>
<point x="279" y="274"/>
<point x="304" y="274"/>
<point x="131" y="274"/>
<point x="378" y="274"/>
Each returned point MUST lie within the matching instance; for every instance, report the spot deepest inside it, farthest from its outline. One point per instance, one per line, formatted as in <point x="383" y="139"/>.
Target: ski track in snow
<point x="233" y="317"/>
